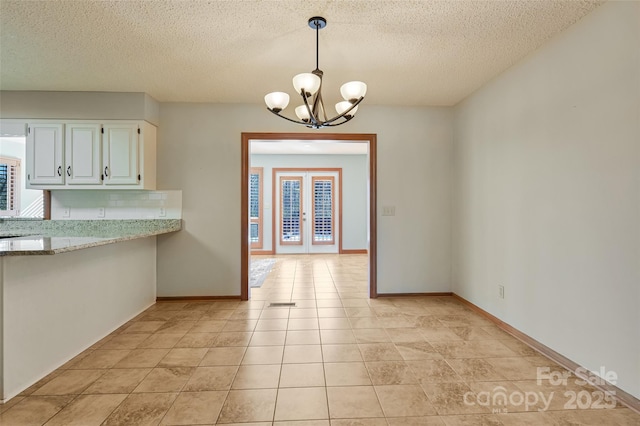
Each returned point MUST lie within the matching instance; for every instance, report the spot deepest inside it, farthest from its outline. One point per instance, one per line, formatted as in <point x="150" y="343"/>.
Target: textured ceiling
<point x="408" y="52"/>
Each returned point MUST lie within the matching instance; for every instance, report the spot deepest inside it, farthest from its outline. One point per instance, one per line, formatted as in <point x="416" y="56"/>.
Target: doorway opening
<point x="314" y="227"/>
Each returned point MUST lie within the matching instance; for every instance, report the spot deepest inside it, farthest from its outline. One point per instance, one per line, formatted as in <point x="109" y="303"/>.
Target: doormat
<point x="259" y="271"/>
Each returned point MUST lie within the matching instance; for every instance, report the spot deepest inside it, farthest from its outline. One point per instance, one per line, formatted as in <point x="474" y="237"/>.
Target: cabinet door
<point x="120" y="154"/>
<point x="45" y="154"/>
<point x="82" y="154"/>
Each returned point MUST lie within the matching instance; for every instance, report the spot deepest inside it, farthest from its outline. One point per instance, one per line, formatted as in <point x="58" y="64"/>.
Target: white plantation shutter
<point x="9" y="187"/>
<point x="254" y="196"/>
<point x="290" y="210"/>
<point x="323" y="210"/>
<point x="255" y="207"/>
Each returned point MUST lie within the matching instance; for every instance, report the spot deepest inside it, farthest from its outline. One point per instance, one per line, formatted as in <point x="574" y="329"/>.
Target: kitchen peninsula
<point x="66" y="284"/>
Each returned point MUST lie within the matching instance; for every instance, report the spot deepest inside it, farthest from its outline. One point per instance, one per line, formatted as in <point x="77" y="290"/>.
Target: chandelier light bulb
<point x="307" y="81"/>
<point x="277" y="101"/>
<point x="353" y="90"/>
<point x="345" y="105"/>
<point x="302" y="112"/>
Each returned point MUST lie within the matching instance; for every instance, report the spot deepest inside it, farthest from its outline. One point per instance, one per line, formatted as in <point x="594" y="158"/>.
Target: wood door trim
<point x="194" y="298"/>
<point x="245" y="151"/>
<point x="426" y="294"/>
<point x="46" y="208"/>
<point x="354" y="251"/>
<point x="262" y="252"/>
<point x="244" y="219"/>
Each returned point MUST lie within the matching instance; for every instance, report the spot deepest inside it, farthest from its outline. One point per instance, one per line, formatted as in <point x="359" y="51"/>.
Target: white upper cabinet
<point x="91" y="155"/>
<point x="82" y="154"/>
<point x="45" y="154"/>
<point x="120" y="154"/>
<point x="129" y="155"/>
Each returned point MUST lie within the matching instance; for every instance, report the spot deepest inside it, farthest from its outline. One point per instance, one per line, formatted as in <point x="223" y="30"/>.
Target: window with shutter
<point x="291" y="210"/>
<point x="9" y="186"/>
<point x="323" y="210"/>
<point x="255" y="207"/>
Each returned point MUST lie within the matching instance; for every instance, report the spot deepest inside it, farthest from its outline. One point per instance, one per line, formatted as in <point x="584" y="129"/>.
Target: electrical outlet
<point x="101" y="212"/>
<point x="501" y="291"/>
<point x="162" y="212"/>
<point x="66" y="212"/>
<point x="388" y="210"/>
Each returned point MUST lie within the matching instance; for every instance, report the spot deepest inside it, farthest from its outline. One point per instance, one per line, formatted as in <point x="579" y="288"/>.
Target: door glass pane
<point x="254" y="195"/>
<point x="322" y="210"/>
<point x="290" y="198"/>
<point x="255" y="207"/>
<point x="254" y="236"/>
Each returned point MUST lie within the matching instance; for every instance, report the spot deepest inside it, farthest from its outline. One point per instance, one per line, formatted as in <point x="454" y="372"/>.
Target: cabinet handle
<point x="69" y="171"/>
<point x="106" y="171"/>
<point x="59" y="170"/>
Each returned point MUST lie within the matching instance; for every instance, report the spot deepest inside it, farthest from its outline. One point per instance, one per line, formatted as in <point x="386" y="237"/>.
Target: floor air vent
<point x="281" y="304"/>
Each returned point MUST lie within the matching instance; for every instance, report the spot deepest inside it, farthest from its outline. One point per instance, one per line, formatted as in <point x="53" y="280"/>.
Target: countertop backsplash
<point x="115" y="204"/>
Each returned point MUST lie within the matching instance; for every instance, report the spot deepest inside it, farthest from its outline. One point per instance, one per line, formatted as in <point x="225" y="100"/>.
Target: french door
<point x="306" y="212"/>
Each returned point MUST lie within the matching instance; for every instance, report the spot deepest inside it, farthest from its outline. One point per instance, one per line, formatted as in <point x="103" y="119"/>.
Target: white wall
<point x="354" y="192"/>
<point x="547" y="194"/>
<point x="54" y="307"/>
<point x="199" y="152"/>
<point x="78" y="105"/>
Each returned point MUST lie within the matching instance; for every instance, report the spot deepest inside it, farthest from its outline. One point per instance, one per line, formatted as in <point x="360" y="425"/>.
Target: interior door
<point x="306" y="212"/>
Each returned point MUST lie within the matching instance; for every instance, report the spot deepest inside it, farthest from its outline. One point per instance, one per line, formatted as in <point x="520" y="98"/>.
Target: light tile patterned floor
<point x="337" y="358"/>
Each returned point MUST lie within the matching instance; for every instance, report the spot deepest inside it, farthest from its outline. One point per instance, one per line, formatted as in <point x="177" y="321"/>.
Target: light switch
<point x="66" y="212"/>
<point x="388" y="210"/>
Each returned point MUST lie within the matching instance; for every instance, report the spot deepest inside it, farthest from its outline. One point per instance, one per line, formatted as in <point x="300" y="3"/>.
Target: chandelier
<point x="312" y="112"/>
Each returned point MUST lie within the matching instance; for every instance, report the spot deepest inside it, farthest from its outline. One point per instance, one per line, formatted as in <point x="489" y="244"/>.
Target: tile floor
<point x="337" y="358"/>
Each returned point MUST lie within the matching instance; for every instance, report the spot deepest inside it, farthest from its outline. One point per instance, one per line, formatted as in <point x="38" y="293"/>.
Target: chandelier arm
<point x="338" y="117"/>
<point x="317" y="98"/>
<point x="318" y="107"/>
<point x="332" y="124"/>
<point x="312" y="117"/>
<point x="343" y="115"/>
<point x="289" y="119"/>
<point x="321" y="102"/>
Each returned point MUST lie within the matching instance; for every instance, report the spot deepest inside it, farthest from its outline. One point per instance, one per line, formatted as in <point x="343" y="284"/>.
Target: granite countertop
<point x="21" y="238"/>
